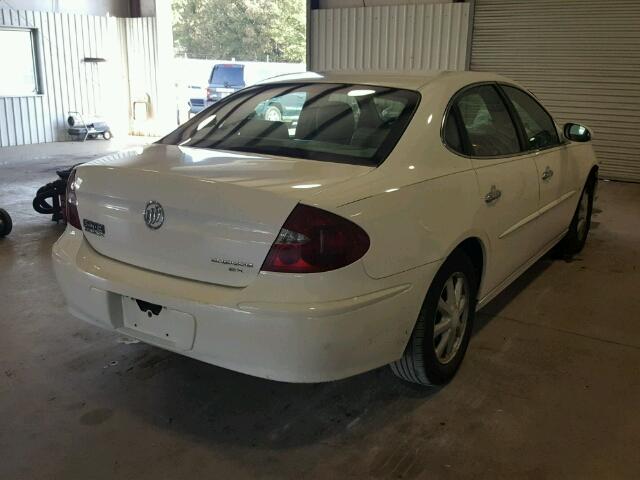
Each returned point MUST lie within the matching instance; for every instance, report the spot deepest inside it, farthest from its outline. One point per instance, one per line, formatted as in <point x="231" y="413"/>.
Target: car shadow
<point x="219" y="406"/>
<point x="500" y="302"/>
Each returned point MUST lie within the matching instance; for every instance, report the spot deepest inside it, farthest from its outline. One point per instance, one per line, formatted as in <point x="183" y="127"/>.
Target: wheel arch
<point x="592" y="178"/>
<point x="475" y="249"/>
<point x="413" y="364"/>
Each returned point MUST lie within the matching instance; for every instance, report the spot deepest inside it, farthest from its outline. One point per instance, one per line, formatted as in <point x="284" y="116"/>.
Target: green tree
<point x="257" y="30"/>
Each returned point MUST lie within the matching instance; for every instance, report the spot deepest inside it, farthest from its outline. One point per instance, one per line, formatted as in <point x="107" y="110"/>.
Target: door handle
<point x="493" y="195"/>
<point x="547" y="174"/>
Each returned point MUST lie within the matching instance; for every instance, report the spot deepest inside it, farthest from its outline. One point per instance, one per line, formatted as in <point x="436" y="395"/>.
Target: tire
<point x="576" y="237"/>
<point x="273" y="114"/>
<point x="107" y="135"/>
<point x="5" y="223"/>
<point x="421" y="362"/>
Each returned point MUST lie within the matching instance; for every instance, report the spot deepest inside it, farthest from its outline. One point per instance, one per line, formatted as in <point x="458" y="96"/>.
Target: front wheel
<point x="441" y="335"/>
<point x="576" y="237"/>
<point x="107" y="135"/>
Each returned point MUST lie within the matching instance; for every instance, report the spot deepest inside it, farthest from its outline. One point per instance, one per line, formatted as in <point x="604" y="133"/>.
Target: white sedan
<point x="365" y="230"/>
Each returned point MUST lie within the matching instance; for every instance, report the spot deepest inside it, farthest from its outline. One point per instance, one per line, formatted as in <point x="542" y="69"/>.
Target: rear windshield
<point x="227" y="75"/>
<point x="356" y="124"/>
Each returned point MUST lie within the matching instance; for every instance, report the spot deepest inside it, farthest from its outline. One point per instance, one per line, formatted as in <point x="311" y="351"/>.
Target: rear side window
<point x="486" y="122"/>
<point x="538" y="125"/>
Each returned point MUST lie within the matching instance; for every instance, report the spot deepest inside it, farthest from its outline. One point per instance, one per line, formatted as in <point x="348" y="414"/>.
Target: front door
<point x="556" y="172"/>
<point x="557" y="198"/>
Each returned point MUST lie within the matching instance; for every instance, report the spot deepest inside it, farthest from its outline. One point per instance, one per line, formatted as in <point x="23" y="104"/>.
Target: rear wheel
<point x="576" y="237"/>
<point x="441" y="335"/>
<point x="5" y="223"/>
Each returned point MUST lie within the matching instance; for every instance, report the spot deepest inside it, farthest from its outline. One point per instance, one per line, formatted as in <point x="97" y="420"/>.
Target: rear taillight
<point x="73" y="218"/>
<point x="314" y="240"/>
<point x="209" y="93"/>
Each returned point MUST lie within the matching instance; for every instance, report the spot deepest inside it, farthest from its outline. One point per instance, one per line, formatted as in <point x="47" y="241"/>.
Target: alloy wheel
<point x="451" y="317"/>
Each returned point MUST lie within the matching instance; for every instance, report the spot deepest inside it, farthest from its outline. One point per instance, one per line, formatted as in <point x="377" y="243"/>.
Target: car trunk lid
<point x="220" y="214"/>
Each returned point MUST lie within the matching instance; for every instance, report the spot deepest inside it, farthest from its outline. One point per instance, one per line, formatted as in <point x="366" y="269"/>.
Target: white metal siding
<point x="115" y="8"/>
<point x="67" y="82"/>
<point x="398" y="37"/>
<point x="580" y="57"/>
<point x="128" y="44"/>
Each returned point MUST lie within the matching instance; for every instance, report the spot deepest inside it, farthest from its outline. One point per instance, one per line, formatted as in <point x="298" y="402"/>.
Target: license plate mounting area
<point x="153" y="323"/>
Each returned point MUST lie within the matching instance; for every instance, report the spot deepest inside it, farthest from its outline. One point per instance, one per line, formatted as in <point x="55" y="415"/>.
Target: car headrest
<point x="259" y="128"/>
<point x="332" y="122"/>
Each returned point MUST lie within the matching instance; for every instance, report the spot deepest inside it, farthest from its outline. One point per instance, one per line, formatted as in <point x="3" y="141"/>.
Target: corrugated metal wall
<point x="129" y="46"/>
<point x="68" y="83"/>
<point x="580" y="57"/>
<point x="399" y="37"/>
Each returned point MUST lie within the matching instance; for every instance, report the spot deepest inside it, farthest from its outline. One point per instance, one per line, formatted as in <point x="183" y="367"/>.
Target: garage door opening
<point x="221" y="46"/>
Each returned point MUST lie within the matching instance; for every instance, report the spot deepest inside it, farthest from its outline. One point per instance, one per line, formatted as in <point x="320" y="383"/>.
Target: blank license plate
<point x="166" y="327"/>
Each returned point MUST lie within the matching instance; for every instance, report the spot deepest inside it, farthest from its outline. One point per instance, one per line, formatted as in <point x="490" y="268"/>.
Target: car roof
<point x="395" y="79"/>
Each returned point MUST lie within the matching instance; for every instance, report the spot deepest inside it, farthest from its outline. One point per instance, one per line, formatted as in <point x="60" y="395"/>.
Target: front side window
<point x="538" y="125"/>
<point x="486" y="122"/>
<point x="320" y="121"/>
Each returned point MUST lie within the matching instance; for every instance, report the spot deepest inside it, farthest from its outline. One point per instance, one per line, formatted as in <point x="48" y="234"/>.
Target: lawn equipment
<point x="5" y="223"/>
<point x="91" y="127"/>
<point x="51" y="198"/>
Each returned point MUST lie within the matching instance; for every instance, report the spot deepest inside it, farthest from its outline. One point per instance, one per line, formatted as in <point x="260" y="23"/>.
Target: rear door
<point x="480" y="126"/>
<point x="557" y="172"/>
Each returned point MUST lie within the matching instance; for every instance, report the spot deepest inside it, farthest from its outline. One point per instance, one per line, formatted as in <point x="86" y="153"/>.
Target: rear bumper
<point x="246" y="329"/>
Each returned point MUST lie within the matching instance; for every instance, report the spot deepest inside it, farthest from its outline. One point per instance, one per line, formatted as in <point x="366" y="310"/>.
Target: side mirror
<point x="577" y="133"/>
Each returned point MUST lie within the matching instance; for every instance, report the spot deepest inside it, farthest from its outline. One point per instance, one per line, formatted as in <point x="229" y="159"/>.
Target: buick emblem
<point x="153" y="215"/>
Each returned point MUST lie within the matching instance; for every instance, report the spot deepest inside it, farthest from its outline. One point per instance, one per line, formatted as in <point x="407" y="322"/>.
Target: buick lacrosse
<point x="363" y="225"/>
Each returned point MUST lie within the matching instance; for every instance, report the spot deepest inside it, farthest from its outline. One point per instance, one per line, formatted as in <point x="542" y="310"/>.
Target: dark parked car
<point x="225" y="79"/>
<point x="285" y="108"/>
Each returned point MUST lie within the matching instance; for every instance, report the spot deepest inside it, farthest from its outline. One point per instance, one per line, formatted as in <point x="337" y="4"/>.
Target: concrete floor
<point x="550" y="387"/>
